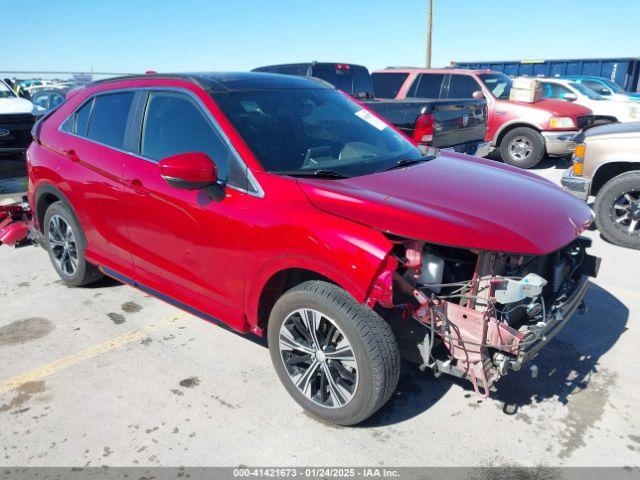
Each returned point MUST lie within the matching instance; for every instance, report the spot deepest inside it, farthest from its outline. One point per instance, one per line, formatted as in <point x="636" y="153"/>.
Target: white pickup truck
<point x="17" y="116"/>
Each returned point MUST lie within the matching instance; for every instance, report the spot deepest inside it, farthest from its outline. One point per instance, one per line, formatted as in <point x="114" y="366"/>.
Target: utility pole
<point x="429" y="26"/>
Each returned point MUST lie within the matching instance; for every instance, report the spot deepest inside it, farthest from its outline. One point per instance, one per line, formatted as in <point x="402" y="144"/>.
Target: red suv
<point x="279" y="205"/>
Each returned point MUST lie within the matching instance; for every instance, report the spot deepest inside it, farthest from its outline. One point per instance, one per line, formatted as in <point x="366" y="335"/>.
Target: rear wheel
<point x="66" y="244"/>
<point x="617" y="208"/>
<point x="522" y="147"/>
<point x="337" y="358"/>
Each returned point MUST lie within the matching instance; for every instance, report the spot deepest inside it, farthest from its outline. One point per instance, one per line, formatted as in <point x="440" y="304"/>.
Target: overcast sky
<point x="195" y="35"/>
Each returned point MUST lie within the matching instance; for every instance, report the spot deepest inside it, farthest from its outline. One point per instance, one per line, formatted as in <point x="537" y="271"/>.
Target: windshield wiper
<point x="406" y="162"/>
<point x="322" y="173"/>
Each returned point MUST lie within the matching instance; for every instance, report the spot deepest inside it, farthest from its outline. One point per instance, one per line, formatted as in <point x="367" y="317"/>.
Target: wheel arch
<point x="610" y="170"/>
<point x="506" y="128"/>
<point x="284" y="273"/>
<point x="45" y="195"/>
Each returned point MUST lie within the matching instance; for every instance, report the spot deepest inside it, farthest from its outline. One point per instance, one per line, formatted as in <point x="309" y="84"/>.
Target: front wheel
<point x="617" y="208"/>
<point x="337" y="358"/>
<point x="522" y="147"/>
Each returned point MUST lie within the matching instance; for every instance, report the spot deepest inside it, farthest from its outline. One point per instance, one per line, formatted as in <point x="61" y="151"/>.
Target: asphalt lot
<point x="110" y="376"/>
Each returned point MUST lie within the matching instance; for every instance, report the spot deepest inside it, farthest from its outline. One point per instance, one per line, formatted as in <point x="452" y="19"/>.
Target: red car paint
<point x="331" y="227"/>
<point x="503" y="114"/>
<point x="219" y="259"/>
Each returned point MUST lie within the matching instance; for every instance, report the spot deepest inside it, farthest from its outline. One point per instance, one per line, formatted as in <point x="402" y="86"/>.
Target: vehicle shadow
<point x="417" y="392"/>
<point x="566" y="364"/>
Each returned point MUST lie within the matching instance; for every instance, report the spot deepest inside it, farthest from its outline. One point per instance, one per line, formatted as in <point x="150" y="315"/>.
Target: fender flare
<point x="508" y="126"/>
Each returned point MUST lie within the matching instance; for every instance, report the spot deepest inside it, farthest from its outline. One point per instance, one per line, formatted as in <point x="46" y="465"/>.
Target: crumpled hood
<point x="15" y="105"/>
<point x="458" y="201"/>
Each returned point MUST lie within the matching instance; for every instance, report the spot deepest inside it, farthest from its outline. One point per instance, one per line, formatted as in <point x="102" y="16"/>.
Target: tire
<point x="612" y="203"/>
<point x="65" y="241"/>
<point x="522" y="147"/>
<point x="366" y="375"/>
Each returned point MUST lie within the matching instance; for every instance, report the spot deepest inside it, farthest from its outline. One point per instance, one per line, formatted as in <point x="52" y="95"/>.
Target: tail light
<point x="423" y="131"/>
<point x="578" y="158"/>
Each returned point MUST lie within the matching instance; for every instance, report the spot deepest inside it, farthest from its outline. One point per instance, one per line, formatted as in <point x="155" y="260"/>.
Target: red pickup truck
<point x="281" y="207"/>
<point x="522" y="132"/>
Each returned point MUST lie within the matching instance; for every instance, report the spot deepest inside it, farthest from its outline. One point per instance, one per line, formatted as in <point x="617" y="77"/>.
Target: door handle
<point x="136" y="184"/>
<point x="72" y="155"/>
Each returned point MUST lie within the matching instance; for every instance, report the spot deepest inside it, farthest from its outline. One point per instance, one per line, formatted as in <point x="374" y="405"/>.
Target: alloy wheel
<point x="318" y="358"/>
<point x="520" y="148"/>
<point x="625" y="213"/>
<point x="63" y="246"/>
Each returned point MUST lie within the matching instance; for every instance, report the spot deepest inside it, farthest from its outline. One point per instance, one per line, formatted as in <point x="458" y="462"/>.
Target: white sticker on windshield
<point x="371" y="119"/>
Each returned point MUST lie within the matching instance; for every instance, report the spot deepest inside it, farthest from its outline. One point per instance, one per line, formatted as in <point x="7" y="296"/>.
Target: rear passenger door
<point x="186" y="247"/>
<point x="96" y="144"/>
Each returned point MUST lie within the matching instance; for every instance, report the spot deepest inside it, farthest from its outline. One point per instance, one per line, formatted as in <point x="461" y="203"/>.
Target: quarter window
<point x="82" y="119"/>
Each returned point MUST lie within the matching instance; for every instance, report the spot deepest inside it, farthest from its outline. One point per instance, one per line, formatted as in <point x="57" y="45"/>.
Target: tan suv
<point x="606" y="163"/>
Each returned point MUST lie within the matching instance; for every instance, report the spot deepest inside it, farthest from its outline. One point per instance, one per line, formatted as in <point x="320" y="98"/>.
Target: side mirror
<point x="478" y="95"/>
<point x="604" y="91"/>
<point x="189" y="171"/>
<point x="570" y="97"/>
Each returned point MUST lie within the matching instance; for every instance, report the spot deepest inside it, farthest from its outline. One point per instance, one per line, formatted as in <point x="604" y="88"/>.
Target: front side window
<point x="387" y="85"/>
<point x="313" y="131"/>
<point x="498" y="84"/>
<point x="554" y="91"/>
<point x="108" y="121"/>
<point x="427" y="85"/>
<point x="174" y="123"/>
<point x="462" y="86"/>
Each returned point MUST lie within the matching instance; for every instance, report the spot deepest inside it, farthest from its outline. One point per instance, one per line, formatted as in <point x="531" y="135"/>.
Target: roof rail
<point x="145" y="76"/>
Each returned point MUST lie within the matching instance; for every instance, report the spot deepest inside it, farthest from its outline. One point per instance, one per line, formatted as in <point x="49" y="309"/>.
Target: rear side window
<point x="175" y="124"/>
<point x="462" y="86"/>
<point x="387" y="85"/>
<point x="108" y="121"/>
<point x="352" y="79"/>
<point x="427" y="85"/>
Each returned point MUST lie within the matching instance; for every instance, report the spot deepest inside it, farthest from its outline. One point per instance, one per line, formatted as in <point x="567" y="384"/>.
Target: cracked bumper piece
<point x="559" y="143"/>
<point x="577" y="186"/>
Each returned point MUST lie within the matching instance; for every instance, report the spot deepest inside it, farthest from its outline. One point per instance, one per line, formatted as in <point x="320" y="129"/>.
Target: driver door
<point x="186" y="248"/>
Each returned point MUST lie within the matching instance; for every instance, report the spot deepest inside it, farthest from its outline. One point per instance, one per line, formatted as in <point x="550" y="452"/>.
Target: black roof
<point x="232" y="81"/>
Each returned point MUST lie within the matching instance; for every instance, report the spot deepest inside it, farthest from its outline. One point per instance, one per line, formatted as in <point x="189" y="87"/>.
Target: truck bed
<point x="456" y="122"/>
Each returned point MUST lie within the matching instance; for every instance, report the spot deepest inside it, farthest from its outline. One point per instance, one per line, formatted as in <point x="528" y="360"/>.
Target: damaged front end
<point x="479" y="314"/>
<point x="16" y="225"/>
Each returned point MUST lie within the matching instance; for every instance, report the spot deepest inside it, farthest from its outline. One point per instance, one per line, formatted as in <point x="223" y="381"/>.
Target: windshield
<point x="498" y="83"/>
<point x="5" y="92"/>
<point x="586" y="91"/>
<point x="314" y="130"/>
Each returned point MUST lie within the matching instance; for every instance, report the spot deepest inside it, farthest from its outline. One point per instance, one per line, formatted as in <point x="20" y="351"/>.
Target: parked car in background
<point x="522" y="132"/>
<point x="606" y="163"/>
<point x="17" y="116"/>
<point x="604" y="109"/>
<point x="49" y="98"/>
<point x="282" y="207"/>
<point x="458" y="125"/>
<point x="348" y="77"/>
<point x="605" y="87"/>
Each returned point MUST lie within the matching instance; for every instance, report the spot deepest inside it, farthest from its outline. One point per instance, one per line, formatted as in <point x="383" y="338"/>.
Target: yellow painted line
<point x="86" y="354"/>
